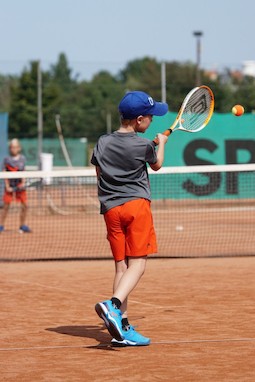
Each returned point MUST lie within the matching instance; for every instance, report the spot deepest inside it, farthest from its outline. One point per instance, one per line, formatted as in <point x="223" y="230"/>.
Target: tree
<point x="23" y="111"/>
<point x="85" y="110"/>
<point x="245" y="94"/>
<point x="84" y="105"/>
<point x="142" y="74"/>
<point x="6" y="84"/>
<point x="60" y="73"/>
<point x="180" y="80"/>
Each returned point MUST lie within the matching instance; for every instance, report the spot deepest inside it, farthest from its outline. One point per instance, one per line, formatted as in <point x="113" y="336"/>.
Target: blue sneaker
<point x="24" y="229"/>
<point x="112" y="318"/>
<point x="1" y="228"/>
<point x="131" y="338"/>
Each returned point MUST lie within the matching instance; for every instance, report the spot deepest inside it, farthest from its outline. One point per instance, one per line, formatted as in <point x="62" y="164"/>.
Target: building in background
<point x="249" y="68"/>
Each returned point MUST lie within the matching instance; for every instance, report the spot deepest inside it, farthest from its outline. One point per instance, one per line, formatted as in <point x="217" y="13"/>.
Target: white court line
<point x="83" y="292"/>
<point x="149" y="304"/>
<point x="154" y="305"/>
<point x="44" y="286"/>
<point x="177" y="342"/>
<point x="46" y="347"/>
<point x="201" y="210"/>
<point x="204" y="341"/>
<point x="188" y="210"/>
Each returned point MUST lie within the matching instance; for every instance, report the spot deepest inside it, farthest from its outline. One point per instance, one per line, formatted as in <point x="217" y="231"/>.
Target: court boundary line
<point x="177" y="342"/>
<point x="49" y="287"/>
<point x="188" y="210"/>
<point x="109" y="258"/>
<point x="102" y="296"/>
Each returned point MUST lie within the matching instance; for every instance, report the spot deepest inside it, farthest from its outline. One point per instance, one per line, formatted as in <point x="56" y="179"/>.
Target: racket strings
<point x="197" y="110"/>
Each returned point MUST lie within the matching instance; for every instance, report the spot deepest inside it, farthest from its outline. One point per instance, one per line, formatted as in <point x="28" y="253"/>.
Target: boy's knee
<point x="121" y="266"/>
<point x="139" y="264"/>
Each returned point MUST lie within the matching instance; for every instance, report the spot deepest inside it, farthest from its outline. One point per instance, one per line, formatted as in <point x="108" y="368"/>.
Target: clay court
<point x="199" y="314"/>
<point x="66" y="224"/>
<point x="196" y="302"/>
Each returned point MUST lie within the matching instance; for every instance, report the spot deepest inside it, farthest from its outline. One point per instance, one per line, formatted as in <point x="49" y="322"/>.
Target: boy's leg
<point x="109" y="310"/>
<point x="129" y="280"/>
<point x="21" y="197"/>
<point x="23" y="214"/>
<point x="123" y="228"/>
<point x="125" y="281"/>
<point x="126" y="284"/>
<point x="4" y="213"/>
<point x="120" y="269"/>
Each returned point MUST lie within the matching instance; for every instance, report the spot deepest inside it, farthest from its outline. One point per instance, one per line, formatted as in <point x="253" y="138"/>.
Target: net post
<point x="39" y="114"/>
<point x="163" y="81"/>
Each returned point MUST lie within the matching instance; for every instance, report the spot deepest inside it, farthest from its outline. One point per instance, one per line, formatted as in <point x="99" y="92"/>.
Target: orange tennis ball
<point x="238" y="110"/>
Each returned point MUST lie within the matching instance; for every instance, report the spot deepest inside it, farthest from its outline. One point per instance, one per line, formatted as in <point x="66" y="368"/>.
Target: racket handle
<point x="167" y="133"/>
<point x="18" y="189"/>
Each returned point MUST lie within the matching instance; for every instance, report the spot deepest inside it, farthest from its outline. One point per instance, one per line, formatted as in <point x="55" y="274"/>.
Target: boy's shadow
<point x="95" y="332"/>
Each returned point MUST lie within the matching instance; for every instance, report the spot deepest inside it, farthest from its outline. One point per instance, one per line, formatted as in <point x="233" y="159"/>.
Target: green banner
<point x="77" y="150"/>
<point x="230" y="185"/>
<point x="226" y="140"/>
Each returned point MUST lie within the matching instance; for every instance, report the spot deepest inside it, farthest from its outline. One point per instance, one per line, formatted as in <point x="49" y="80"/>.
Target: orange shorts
<point x="19" y="196"/>
<point x="130" y="230"/>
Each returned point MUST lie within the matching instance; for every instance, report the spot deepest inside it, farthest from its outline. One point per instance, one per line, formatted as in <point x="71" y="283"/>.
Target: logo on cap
<point x="151" y="101"/>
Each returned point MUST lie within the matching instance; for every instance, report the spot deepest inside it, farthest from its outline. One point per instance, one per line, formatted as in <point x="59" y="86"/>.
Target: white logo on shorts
<point x="151" y="101"/>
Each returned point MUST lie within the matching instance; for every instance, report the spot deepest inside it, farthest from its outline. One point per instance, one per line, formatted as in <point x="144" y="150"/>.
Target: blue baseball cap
<point x="138" y="103"/>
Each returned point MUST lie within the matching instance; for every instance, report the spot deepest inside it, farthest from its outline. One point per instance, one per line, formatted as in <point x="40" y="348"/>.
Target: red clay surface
<point x="73" y="228"/>
<point x="199" y="314"/>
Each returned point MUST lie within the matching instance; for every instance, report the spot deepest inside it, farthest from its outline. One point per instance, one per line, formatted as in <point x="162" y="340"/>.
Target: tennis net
<point x="199" y="211"/>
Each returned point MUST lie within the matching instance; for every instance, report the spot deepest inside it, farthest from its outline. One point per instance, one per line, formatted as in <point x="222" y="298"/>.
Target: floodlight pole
<point x="39" y="115"/>
<point x="163" y="81"/>
<point x="109" y="122"/>
<point x="198" y="35"/>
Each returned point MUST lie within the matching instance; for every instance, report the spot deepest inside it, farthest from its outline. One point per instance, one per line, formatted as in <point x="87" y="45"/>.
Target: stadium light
<point x="198" y="35"/>
<point x="39" y="115"/>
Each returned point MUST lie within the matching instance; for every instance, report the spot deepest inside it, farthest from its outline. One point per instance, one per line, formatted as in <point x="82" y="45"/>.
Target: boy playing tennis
<point x="15" y="188"/>
<point x="124" y="193"/>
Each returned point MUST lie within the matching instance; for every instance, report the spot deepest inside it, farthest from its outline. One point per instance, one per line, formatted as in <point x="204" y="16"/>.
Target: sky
<point x="106" y="34"/>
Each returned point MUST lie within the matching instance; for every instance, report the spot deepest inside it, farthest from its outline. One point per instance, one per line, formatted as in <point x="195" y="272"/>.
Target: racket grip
<point x="167" y="133"/>
<point x="19" y="189"/>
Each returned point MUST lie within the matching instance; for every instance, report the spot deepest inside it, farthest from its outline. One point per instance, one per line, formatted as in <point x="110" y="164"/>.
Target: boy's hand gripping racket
<point x="195" y="112"/>
<point x="18" y="188"/>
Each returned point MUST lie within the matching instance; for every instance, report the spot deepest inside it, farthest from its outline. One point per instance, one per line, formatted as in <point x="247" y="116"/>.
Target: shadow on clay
<point x="96" y="332"/>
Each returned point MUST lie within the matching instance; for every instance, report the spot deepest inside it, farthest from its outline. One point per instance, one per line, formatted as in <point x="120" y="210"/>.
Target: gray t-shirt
<point x="14" y="164"/>
<point x="122" y="159"/>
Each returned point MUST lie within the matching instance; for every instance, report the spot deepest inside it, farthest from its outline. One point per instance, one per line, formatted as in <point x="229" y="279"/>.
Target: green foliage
<point x="143" y="74"/>
<point x="180" y="80"/>
<point x="6" y="84"/>
<point x="23" y="110"/>
<point x="245" y="94"/>
<point x="84" y="105"/>
<point x="61" y="73"/>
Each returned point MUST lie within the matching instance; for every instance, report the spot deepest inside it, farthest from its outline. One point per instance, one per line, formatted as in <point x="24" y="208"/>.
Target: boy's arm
<point x="6" y="181"/>
<point x="7" y="185"/>
<point x="23" y="180"/>
<point x="160" y="153"/>
<point x="98" y="171"/>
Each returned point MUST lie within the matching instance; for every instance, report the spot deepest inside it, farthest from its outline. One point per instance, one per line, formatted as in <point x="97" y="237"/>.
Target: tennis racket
<point x="195" y="112"/>
<point x="18" y="188"/>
